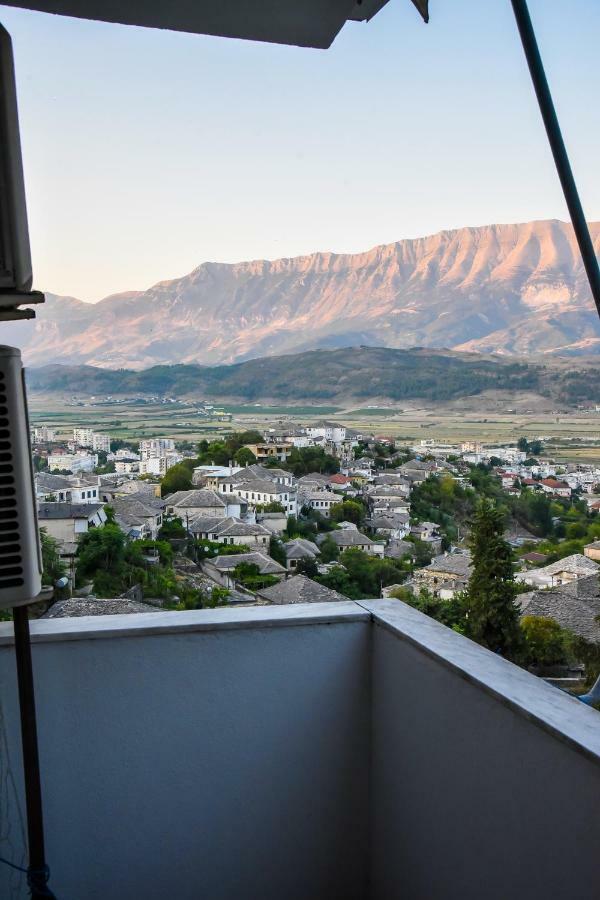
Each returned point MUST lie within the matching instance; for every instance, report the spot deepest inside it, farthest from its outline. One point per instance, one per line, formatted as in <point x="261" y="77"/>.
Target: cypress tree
<point x="492" y="615"/>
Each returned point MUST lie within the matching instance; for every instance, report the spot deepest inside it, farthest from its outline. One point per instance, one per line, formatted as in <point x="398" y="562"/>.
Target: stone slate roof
<point x="205" y="524"/>
<point x="313" y="478"/>
<point x="197" y="499"/>
<point x="46" y="481"/>
<point x="233" y="527"/>
<point x="574" y="606"/>
<point x="87" y="607"/>
<point x="266" y="472"/>
<point x="348" y="538"/>
<point x="300" y="548"/>
<point x="229" y="526"/>
<point x="576" y="564"/>
<point x="398" y="549"/>
<point x="148" y="499"/>
<point x="263" y="486"/>
<point x="451" y="564"/>
<point x="266" y="565"/>
<point x="321" y="495"/>
<point x="138" y="509"/>
<point x="595" y="545"/>
<point x="68" y="510"/>
<point x="299" y="589"/>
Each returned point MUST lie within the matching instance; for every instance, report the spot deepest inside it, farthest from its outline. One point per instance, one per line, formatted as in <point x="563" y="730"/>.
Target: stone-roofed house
<point x="231" y="531"/>
<point x="320" y="501"/>
<point x="299" y="589"/>
<point x="563" y="571"/>
<point x="269" y="473"/>
<point x="220" y="568"/>
<point x="298" y="549"/>
<point x="199" y="502"/>
<point x="66" y="522"/>
<point x="67" y="488"/>
<point x="445" y="576"/>
<point x="348" y="539"/>
<point x="428" y="533"/>
<point x="393" y="525"/>
<point x="88" y="606"/>
<point x="592" y="551"/>
<point x="398" y="549"/>
<point x="139" y="516"/>
<point x="258" y="490"/>
<point x="574" y="606"/>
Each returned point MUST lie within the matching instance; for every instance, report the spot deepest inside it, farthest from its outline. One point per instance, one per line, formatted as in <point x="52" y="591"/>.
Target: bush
<point x="545" y="643"/>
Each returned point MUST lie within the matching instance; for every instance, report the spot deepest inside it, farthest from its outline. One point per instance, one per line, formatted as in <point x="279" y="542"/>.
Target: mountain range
<point x="505" y="289"/>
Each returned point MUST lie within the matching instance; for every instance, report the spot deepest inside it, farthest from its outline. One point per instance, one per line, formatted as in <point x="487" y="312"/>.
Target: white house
<point x="564" y="571"/>
<point x="75" y="462"/>
<point x="348" y="539"/>
<point x="231" y="531"/>
<point x="66" y="522"/>
<point x="320" y="501"/>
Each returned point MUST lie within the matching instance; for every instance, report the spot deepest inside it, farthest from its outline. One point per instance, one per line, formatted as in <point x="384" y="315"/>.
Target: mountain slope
<point x="512" y="289"/>
<point x="354" y="374"/>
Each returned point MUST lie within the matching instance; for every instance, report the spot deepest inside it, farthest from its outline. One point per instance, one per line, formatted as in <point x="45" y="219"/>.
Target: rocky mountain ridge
<point x="507" y="289"/>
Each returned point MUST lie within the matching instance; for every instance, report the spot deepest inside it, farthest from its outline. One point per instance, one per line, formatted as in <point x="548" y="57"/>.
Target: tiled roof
<point x="87" y="607"/>
<point x="576" y="564"/>
<point x="198" y="499"/>
<point x="300" y="548"/>
<point x="68" y="510"/>
<point x="574" y="606"/>
<point x="300" y="589"/>
<point x="348" y="538"/>
<point x="451" y="564"/>
<point x="266" y="565"/>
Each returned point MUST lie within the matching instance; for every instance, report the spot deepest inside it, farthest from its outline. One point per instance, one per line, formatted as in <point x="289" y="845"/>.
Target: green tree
<point x="52" y="565"/>
<point x="178" y="478"/>
<point x="337" y="579"/>
<point x="101" y="559"/>
<point x="307" y="566"/>
<point x="544" y="641"/>
<point x="491" y="614"/>
<point x="244" y="457"/>
<point x="348" y="511"/>
<point x="277" y="551"/>
<point x="172" y="529"/>
<point x="329" y="550"/>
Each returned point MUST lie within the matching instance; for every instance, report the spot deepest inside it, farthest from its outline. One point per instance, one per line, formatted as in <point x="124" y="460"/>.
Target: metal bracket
<point x="10" y="301"/>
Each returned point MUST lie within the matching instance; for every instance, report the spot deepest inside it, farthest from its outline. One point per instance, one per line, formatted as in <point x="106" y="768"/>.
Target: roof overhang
<point x="304" y="23"/>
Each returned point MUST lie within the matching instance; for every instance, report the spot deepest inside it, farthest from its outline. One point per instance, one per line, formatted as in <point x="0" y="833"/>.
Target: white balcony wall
<point x="180" y="762"/>
<point x="485" y="780"/>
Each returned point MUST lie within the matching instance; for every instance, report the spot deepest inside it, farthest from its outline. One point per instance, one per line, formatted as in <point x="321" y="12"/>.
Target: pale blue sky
<point x="149" y="152"/>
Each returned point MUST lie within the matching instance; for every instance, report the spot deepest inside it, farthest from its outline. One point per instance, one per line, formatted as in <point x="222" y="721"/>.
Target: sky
<point x="149" y="152"/>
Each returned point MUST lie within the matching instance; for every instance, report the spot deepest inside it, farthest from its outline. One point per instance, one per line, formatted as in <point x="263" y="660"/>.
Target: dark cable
<point x="37" y="879"/>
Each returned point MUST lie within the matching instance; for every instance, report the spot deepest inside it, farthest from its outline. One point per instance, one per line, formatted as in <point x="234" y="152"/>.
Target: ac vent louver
<point x="20" y="558"/>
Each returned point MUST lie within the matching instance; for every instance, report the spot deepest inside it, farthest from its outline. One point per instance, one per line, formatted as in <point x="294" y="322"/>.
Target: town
<point x="321" y="512"/>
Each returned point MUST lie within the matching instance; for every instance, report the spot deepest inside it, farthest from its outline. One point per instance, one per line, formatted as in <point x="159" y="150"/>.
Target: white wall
<point x="477" y="795"/>
<point x="229" y="764"/>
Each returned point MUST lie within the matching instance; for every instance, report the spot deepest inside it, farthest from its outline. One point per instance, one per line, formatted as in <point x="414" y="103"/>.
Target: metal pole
<point x="37" y="873"/>
<point x="557" y="144"/>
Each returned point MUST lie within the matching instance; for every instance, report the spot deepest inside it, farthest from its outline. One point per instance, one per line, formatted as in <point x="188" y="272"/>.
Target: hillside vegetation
<point x="355" y="374"/>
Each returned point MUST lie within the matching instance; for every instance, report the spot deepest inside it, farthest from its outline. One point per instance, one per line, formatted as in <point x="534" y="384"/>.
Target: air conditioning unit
<point x="20" y="552"/>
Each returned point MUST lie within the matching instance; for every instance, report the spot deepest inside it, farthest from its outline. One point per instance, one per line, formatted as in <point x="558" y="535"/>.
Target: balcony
<point x="328" y="751"/>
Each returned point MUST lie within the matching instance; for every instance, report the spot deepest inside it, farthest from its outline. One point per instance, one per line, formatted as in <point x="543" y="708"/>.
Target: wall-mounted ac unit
<point x="20" y="554"/>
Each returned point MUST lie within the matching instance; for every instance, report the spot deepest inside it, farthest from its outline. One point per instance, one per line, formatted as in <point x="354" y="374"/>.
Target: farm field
<point x="570" y="436"/>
